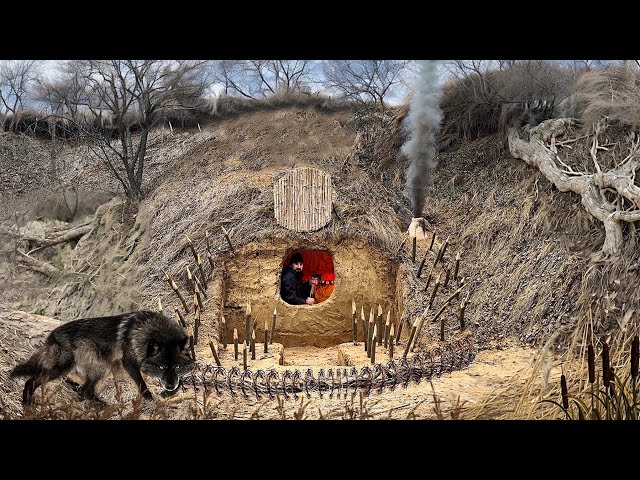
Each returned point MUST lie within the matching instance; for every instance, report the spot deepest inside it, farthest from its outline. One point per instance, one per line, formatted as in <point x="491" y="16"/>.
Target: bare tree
<point x="363" y="80"/>
<point x="237" y="76"/>
<point x="64" y="93"/>
<point x="130" y="95"/>
<point x="17" y="78"/>
<point x="259" y="78"/>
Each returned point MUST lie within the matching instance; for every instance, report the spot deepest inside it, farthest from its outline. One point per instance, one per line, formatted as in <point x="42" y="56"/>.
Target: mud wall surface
<point x="362" y="273"/>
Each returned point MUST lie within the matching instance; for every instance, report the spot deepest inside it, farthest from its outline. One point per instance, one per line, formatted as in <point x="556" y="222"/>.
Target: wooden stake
<point x="410" y="341"/>
<point x="365" y="329"/>
<point x="235" y="344"/>
<point x="197" y="300"/>
<point x="426" y="285"/>
<point x="387" y="331"/>
<point x="418" y="327"/>
<point x="460" y="285"/>
<point x="195" y="283"/>
<point x="442" y="329"/>
<point x="371" y="338"/>
<point x="391" y="342"/>
<point x="463" y="306"/>
<point x="446" y="278"/>
<point x="379" y="324"/>
<point x="204" y="278"/>
<point x="180" y="318"/>
<point x="198" y="262"/>
<point x="253" y="344"/>
<point x="159" y="305"/>
<point x="422" y="264"/>
<point x="373" y="345"/>
<point x="413" y="250"/>
<point x="196" y="324"/>
<point x="214" y="352"/>
<point x="223" y="334"/>
<point x="433" y="237"/>
<point x="226" y="235"/>
<point x="355" y="322"/>
<point x="442" y="251"/>
<point x="434" y="291"/>
<point x="244" y="356"/>
<point x="174" y="287"/>
<point x="281" y="359"/>
<point x="457" y="266"/>
<point x="191" y="342"/>
<point x="273" y="325"/>
<point x="247" y="324"/>
<point x="266" y="337"/>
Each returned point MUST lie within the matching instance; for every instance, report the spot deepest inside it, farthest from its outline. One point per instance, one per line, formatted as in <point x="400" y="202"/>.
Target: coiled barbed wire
<point x="290" y="383"/>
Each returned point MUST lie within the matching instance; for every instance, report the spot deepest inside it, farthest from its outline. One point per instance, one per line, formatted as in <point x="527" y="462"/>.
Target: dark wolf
<point x="141" y="341"/>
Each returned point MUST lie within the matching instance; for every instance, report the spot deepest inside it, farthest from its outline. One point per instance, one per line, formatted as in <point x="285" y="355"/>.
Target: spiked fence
<point x="368" y="379"/>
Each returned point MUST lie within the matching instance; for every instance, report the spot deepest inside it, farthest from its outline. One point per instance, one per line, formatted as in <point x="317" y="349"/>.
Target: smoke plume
<point x="422" y="124"/>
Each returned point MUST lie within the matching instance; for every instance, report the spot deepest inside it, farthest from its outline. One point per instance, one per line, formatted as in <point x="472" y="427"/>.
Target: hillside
<point x="526" y="247"/>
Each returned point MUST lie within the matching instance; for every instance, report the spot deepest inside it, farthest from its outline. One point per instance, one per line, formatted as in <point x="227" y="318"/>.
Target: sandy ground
<point x="448" y="396"/>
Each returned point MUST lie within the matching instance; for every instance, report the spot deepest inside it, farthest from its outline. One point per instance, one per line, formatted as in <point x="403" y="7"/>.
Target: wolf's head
<point x="164" y="346"/>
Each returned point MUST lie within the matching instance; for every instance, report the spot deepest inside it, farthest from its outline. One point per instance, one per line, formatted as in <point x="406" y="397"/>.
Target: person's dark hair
<point x="296" y="258"/>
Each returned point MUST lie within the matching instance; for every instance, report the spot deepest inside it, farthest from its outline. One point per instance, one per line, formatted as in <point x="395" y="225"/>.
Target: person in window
<point x="292" y="289"/>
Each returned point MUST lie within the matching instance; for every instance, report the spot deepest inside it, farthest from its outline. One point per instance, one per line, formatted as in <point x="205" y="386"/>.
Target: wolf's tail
<point x="28" y="368"/>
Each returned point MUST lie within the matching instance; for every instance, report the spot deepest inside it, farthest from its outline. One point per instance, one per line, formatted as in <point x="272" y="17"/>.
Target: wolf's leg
<point x="88" y="390"/>
<point x="135" y="374"/>
<point x="62" y="366"/>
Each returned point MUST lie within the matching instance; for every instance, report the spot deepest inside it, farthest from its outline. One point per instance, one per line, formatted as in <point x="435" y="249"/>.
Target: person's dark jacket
<point x="292" y="289"/>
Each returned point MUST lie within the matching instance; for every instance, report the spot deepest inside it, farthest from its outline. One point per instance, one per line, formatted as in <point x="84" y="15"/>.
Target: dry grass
<point x="613" y="93"/>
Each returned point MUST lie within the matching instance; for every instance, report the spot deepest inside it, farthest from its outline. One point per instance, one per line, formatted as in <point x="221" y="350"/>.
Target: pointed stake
<point x="410" y="341"/>
<point x="457" y="266"/>
<point x="387" y="331"/>
<point x="266" y="337"/>
<point x="365" y="329"/>
<point x="180" y="318"/>
<point x="379" y="324"/>
<point x="373" y="346"/>
<point x="273" y="325"/>
<point x="433" y="237"/>
<point x="446" y="278"/>
<point x="247" y="324"/>
<point x="434" y="291"/>
<point x="413" y="250"/>
<point x="391" y="342"/>
<point x="159" y="305"/>
<point x="223" y="332"/>
<point x="244" y="356"/>
<point x="253" y="344"/>
<point x="424" y="259"/>
<point x="174" y="287"/>
<point x="371" y="339"/>
<point x="214" y="352"/>
<point x="191" y="342"/>
<point x="355" y="322"/>
<point x="235" y="344"/>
